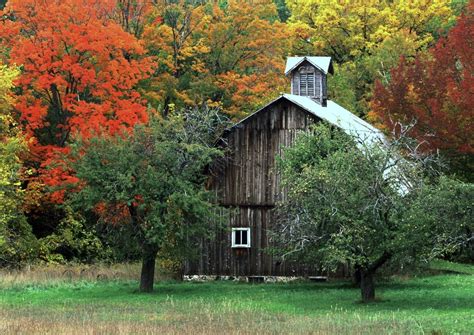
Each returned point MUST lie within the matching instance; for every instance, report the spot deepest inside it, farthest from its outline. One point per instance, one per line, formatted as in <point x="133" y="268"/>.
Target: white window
<point x="240" y="237"/>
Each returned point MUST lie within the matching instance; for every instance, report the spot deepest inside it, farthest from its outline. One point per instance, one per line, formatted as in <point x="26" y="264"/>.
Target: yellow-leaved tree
<point x="17" y="243"/>
<point x="365" y="38"/>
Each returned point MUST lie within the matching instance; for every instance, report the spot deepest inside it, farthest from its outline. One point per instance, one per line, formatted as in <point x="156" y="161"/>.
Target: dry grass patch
<point x="48" y="274"/>
<point x="104" y="300"/>
<point x="200" y="319"/>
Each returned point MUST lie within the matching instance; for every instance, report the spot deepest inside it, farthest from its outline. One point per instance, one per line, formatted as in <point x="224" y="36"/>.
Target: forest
<point x="111" y="110"/>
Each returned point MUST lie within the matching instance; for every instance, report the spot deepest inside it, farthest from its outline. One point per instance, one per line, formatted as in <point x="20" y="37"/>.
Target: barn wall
<point x="248" y="186"/>
<point x="249" y="176"/>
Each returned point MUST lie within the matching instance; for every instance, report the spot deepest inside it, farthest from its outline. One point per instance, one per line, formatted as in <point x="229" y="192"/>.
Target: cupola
<point x="308" y="76"/>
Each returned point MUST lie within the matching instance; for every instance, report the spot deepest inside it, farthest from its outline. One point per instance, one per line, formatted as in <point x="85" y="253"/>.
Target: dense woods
<point x="111" y="110"/>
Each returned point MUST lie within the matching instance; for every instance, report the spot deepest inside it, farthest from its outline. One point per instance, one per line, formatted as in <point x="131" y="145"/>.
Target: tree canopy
<point x="79" y="70"/>
<point x="230" y="56"/>
<point x="435" y="91"/>
<point x="151" y="179"/>
<point x="348" y="202"/>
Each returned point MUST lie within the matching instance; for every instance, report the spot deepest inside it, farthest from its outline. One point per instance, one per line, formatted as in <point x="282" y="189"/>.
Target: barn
<point x="247" y="183"/>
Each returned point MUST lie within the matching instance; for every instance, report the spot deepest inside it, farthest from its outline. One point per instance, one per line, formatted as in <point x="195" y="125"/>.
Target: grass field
<point x="74" y="303"/>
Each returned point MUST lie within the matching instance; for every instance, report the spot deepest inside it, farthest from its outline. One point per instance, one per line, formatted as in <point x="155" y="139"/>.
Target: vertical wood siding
<point x="248" y="186"/>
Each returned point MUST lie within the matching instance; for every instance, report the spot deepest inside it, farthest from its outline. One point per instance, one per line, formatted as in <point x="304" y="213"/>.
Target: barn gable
<point x="332" y="113"/>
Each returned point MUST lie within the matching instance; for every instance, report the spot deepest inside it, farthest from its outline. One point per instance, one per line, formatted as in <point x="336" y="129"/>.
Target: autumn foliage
<point x="76" y="70"/>
<point x="435" y="91"/>
<point x="79" y="71"/>
<point x="231" y="55"/>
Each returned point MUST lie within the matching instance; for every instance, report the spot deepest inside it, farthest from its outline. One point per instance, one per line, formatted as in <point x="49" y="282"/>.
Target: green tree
<point x="441" y="213"/>
<point x="151" y="179"/>
<point x="283" y="11"/>
<point x="17" y="243"/>
<point x="350" y="202"/>
<point x="73" y="240"/>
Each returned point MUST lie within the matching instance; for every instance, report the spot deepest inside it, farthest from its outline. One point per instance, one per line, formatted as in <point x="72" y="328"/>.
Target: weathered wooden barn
<point x="248" y="184"/>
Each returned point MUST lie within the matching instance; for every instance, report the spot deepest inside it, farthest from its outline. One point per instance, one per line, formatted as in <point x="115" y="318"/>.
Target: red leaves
<point x="79" y="74"/>
<point x="436" y="90"/>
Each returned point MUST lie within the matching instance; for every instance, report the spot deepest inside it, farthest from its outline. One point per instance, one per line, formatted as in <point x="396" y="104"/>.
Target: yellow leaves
<point x="354" y="28"/>
<point x="7" y="77"/>
<point x="231" y="58"/>
<point x="415" y="14"/>
<point x="11" y="145"/>
<point x="412" y="96"/>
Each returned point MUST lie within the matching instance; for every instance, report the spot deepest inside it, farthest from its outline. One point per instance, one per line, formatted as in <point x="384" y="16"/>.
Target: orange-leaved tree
<point x="79" y="73"/>
<point x="226" y="54"/>
<point x="437" y="92"/>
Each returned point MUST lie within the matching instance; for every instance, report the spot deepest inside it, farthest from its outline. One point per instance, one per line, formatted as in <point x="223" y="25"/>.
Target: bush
<point x="18" y="245"/>
<point x="73" y="241"/>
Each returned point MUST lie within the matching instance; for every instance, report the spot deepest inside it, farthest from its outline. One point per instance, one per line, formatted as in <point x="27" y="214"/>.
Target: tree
<point x="283" y="11"/>
<point x="131" y="14"/>
<point x="443" y="214"/>
<point x="79" y="71"/>
<point x="436" y="91"/>
<point x="365" y="38"/>
<point x="151" y="179"/>
<point x="17" y="243"/>
<point x="349" y="202"/>
<point x="229" y="55"/>
<point x="347" y="29"/>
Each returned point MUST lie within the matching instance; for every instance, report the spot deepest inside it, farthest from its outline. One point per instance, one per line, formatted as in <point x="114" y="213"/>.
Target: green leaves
<point x="152" y="179"/>
<point x="345" y="203"/>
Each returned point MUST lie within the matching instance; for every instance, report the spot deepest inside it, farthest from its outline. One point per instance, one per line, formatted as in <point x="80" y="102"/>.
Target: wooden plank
<point x="248" y="182"/>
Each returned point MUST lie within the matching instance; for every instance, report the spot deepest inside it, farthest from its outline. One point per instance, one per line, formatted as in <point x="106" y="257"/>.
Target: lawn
<point x="442" y="304"/>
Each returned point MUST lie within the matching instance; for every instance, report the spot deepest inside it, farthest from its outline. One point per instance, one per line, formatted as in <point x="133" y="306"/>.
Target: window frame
<point x="241" y="229"/>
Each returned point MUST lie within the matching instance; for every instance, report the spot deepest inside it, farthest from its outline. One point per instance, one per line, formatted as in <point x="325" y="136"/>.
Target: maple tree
<point x="436" y="91"/>
<point x="79" y="71"/>
<point x="229" y="55"/>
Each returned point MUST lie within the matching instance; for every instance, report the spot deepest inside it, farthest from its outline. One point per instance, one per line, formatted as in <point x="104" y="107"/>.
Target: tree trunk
<point x="366" y="276"/>
<point x="149" y="252"/>
<point x="147" y="277"/>
<point x="356" y="276"/>
<point x="367" y="287"/>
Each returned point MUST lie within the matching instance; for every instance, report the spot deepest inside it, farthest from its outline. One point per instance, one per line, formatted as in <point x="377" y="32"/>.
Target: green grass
<point x="439" y="304"/>
<point x="446" y="266"/>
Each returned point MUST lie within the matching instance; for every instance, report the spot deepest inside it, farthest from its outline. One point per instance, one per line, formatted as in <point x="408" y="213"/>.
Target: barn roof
<point x="335" y="115"/>
<point x="322" y="63"/>
<point x="362" y="131"/>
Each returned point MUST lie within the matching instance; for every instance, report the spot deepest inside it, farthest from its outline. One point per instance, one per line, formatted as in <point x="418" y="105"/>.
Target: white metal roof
<point x="339" y="117"/>
<point x="322" y="63"/>
<point x="335" y="115"/>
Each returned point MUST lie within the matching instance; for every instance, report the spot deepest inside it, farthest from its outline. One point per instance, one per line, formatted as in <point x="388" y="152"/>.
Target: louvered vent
<point x="307" y="84"/>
